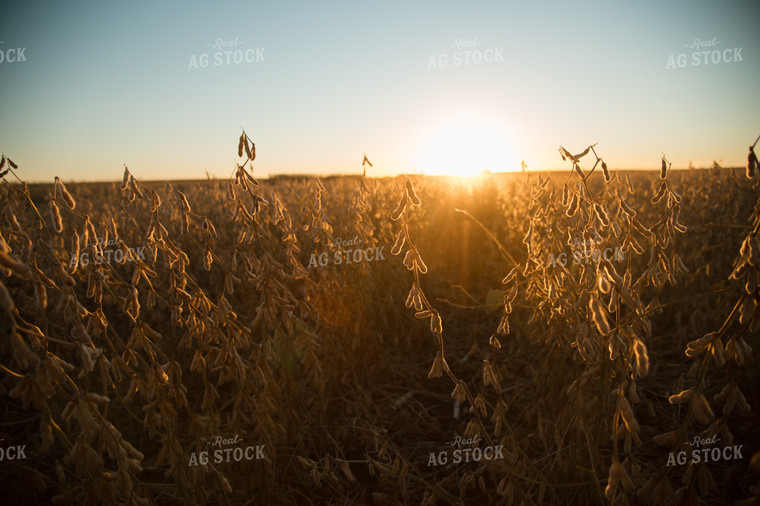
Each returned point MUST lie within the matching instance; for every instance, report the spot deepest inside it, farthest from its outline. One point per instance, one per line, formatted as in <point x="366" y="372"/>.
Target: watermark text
<point x="707" y="53"/>
<point x="227" y="53"/>
<point x="466" y="52"/>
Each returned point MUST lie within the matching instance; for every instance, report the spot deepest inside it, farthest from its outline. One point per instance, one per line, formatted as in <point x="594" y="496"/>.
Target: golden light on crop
<point x="467" y="145"/>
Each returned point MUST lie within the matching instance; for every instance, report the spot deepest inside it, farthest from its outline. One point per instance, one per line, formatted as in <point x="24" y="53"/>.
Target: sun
<point x="467" y="145"/>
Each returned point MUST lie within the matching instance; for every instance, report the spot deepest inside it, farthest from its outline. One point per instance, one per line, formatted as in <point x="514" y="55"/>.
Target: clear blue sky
<point x="108" y="83"/>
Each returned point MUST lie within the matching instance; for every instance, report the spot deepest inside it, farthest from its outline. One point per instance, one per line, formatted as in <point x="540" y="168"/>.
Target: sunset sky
<point x="105" y="84"/>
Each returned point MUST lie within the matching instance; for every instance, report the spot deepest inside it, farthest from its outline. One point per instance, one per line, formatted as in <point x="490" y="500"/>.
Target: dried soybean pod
<point x="599" y="316"/>
<point x="573" y="208"/>
<point x="90" y="228"/>
<point x="436" y="326"/>
<point x="183" y="201"/>
<point x="125" y="180"/>
<point x="628" y="417"/>
<point x="211" y="229"/>
<point x="683" y="396"/>
<point x="400" y="208"/>
<point x="185" y="223"/>
<point x="601" y="213"/>
<point x="75" y="250"/>
<point x="417" y="261"/>
<point x="411" y="193"/>
<point x="136" y="189"/>
<point x="751" y="163"/>
<point x="641" y="228"/>
<point x="57" y="222"/>
<point x="509" y="277"/>
<point x="627" y="209"/>
<point x="660" y="193"/>
<point x="581" y="155"/>
<point x="606" y="171"/>
<point x="13" y="221"/>
<point x="642" y="358"/>
<point x="66" y="195"/>
<point x="247" y="149"/>
<point x="400" y="240"/>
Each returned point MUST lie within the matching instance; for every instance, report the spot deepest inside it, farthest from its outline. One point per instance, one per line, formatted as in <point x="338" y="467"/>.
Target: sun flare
<point x="467" y="145"/>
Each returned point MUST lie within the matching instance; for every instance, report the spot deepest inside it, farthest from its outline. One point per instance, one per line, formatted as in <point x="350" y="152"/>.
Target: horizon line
<point x="485" y="173"/>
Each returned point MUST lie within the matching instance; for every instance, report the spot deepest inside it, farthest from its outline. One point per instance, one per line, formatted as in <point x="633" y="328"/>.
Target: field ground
<point x="231" y="324"/>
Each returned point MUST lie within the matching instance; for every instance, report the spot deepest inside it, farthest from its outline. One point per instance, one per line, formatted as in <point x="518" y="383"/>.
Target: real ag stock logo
<point x="702" y="454"/>
<point x="12" y="452"/>
<point x="227" y="53"/>
<point x="466" y="52"/>
<point x="707" y="53"/>
<point x="466" y="454"/>
<point x="587" y="252"/>
<point x="101" y="255"/>
<point x="226" y="450"/>
<point x="12" y="54"/>
<point x="343" y="255"/>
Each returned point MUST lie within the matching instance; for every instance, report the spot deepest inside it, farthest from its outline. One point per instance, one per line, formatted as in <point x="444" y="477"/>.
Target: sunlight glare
<point x="467" y="145"/>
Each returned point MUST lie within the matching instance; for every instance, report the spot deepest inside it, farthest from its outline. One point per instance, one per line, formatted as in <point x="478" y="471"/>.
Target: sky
<point x="433" y="87"/>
